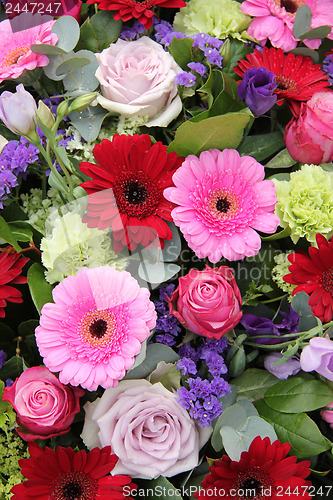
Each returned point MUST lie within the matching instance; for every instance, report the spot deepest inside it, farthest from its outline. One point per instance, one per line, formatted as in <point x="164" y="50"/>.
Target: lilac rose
<point x="318" y="356"/>
<point x="146" y="428"/>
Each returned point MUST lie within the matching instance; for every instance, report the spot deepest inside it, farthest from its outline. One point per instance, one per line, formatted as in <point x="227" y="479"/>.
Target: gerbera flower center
<point x="327" y="280"/>
<point x="98" y="328"/>
<point x="223" y="203"/>
<point x="136" y="194"/>
<point x="253" y="484"/>
<point x="14" y="56"/>
<point x="290" y="5"/>
<point x="285" y="83"/>
<point x="73" y="485"/>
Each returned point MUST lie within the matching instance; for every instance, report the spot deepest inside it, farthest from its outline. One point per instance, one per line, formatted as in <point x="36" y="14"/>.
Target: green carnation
<point x="305" y="203"/>
<point x="72" y="245"/>
<point x="218" y="18"/>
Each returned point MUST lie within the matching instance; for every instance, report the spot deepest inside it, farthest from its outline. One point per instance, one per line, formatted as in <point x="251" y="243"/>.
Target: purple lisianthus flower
<point x="318" y="356"/>
<point x="284" y="370"/>
<point x="3" y="357"/>
<point x="259" y="328"/>
<point x="257" y="90"/>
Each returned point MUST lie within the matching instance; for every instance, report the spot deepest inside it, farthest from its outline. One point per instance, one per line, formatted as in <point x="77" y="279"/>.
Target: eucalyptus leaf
<point x="157" y="272"/>
<point x="237" y="364"/>
<point x="300" y="304"/>
<point x="83" y="78"/>
<point x="299" y="430"/>
<point x="67" y="30"/>
<point x="48" y="50"/>
<point x="302" y="21"/>
<point x="155" y="353"/>
<point x="71" y="64"/>
<point x="319" y="32"/>
<point x="88" y="121"/>
<point x="306" y="51"/>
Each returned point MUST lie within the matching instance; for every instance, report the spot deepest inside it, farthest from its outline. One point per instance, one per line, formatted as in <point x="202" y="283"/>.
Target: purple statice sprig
<point x="204" y="370"/>
<point x="328" y="67"/>
<point x="167" y="326"/>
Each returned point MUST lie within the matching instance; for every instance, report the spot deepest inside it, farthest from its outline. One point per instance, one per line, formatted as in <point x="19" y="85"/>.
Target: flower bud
<point x="45" y="115"/>
<point x="18" y="111"/>
<point x="82" y="102"/>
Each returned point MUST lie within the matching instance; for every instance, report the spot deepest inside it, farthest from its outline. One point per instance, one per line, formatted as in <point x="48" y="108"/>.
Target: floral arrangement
<point x="166" y="251"/>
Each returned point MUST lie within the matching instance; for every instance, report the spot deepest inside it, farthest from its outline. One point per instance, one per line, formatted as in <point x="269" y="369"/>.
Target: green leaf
<point x="155" y="353"/>
<point x="67" y="30"/>
<point x="300" y="304"/>
<point x="319" y="32"/>
<point x="278" y="236"/>
<point x="161" y="489"/>
<point x="181" y="51"/>
<point x="302" y="21"/>
<point x="261" y="146"/>
<point x="12" y="368"/>
<point x="71" y="64"/>
<point x="238" y="50"/>
<point x="48" y="50"/>
<point x="41" y="291"/>
<point x="281" y="160"/>
<point x="224" y="131"/>
<point x="106" y="29"/>
<point x="88" y="39"/>
<point x="253" y="383"/>
<point x="28" y="327"/>
<point x="7" y="235"/>
<point x="296" y="395"/>
<point x="21" y="230"/>
<point x="238" y="363"/>
<point x="298" y="429"/>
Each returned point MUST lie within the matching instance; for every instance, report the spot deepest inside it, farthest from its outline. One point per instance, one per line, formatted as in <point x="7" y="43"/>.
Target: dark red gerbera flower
<point x="297" y="77"/>
<point x="313" y="274"/>
<point x="68" y="475"/>
<point x="11" y="265"/>
<point x="262" y="472"/>
<point x="139" y="9"/>
<point x="126" y="190"/>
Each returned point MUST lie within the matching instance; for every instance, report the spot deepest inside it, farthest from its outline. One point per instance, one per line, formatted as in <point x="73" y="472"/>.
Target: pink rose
<point x="309" y="137"/>
<point x="327" y="415"/>
<point x="207" y="302"/>
<point x="137" y="79"/>
<point x="44" y="406"/>
<point x="147" y="429"/>
<point x="318" y="356"/>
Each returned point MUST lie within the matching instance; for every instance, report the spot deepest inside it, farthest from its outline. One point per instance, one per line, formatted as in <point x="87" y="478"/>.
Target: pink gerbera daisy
<point x="274" y="20"/>
<point x="95" y="328"/>
<point x="222" y="199"/>
<point x="16" y="56"/>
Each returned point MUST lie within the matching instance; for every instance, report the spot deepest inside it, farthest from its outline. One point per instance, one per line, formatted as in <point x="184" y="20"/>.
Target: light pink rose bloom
<point x="318" y="356"/>
<point x="147" y="429"/>
<point x="18" y="111"/>
<point x="207" y="302"/>
<point x="309" y="137"/>
<point x="16" y="56"/>
<point x="274" y="20"/>
<point x="137" y="79"/>
<point x="44" y="406"/>
<point x="327" y="415"/>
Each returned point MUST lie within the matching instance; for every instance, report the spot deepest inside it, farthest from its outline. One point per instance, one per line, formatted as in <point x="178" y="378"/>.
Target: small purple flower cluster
<point x="133" y="32"/>
<point x="209" y="45"/>
<point x="3" y="357"/>
<point x="328" y="67"/>
<point x="167" y="326"/>
<point x="207" y="385"/>
<point x="14" y="160"/>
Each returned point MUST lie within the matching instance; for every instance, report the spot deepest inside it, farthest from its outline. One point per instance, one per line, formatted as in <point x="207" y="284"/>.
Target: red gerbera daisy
<point x="297" y="77"/>
<point x="126" y="190"/>
<point x="10" y="269"/>
<point x="139" y="9"/>
<point x="66" y="475"/>
<point x="313" y="274"/>
<point x="262" y="472"/>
